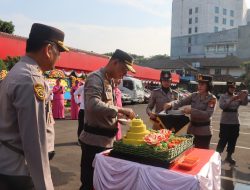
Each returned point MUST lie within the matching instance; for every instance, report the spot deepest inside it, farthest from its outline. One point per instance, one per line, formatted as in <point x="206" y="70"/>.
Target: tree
<point x="246" y="76"/>
<point x="11" y="61"/>
<point x="2" y="65"/>
<point x="6" y="27"/>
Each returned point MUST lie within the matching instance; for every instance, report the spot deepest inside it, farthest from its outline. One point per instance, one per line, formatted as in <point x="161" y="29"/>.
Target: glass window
<point x="190" y="21"/>
<point x="217" y="71"/>
<point x="189" y="30"/>
<point x="224" y="11"/>
<point x="190" y="11"/>
<point x="224" y="21"/>
<point x="216" y="29"/>
<point x="216" y="19"/>
<point x="196" y="19"/>
<point x="231" y="13"/>
<point x="231" y="22"/>
<point x="128" y="84"/>
<point x="196" y="9"/>
<point x="216" y="10"/>
<point x="189" y="49"/>
<point x="196" y="29"/>
<point x="189" y="40"/>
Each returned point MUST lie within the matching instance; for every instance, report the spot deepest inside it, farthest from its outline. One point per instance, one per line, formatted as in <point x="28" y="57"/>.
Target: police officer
<point x="24" y="162"/>
<point x="160" y="96"/>
<point x="229" y="123"/>
<point x="202" y="108"/>
<point x="100" y="113"/>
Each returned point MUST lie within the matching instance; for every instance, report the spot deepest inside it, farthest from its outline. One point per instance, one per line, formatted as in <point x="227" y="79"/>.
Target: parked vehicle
<point x="126" y="98"/>
<point x="134" y="88"/>
<point x="147" y="94"/>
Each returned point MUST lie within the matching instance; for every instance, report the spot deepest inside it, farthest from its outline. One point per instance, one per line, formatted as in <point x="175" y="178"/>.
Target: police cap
<point x="204" y="78"/>
<point x="125" y="58"/>
<point x="41" y="33"/>
<point x="165" y="75"/>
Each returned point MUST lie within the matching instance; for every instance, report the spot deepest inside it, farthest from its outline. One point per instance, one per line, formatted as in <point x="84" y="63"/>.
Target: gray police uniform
<point x="100" y="121"/>
<point x="229" y="122"/>
<point x="23" y="124"/>
<point x="201" y="115"/>
<point x="158" y="98"/>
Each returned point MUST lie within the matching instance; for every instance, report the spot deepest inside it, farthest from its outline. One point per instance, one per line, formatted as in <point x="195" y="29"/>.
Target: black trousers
<point x="16" y="182"/>
<point x="87" y="170"/>
<point x="202" y="141"/>
<point x="229" y="134"/>
<point x="80" y="122"/>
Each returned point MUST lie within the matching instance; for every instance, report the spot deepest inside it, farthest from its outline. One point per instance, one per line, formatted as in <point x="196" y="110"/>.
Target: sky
<point x="142" y="27"/>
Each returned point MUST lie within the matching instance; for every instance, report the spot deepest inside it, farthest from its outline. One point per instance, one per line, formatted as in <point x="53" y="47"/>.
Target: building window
<point x="216" y="10"/>
<point x="224" y="11"/>
<point x="189" y="40"/>
<point x="190" y="30"/>
<point x="196" y="9"/>
<point x="189" y="49"/>
<point x="216" y="19"/>
<point x="231" y="22"/>
<point x="224" y="21"/>
<point x="196" y="29"/>
<point x="231" y="13"/>
<point x="190" y="11"/>
<point x="217" y="71"/>
<point x="196" y="19"/>
<point x="190" y="21"/>
<point x="216" y="29"/>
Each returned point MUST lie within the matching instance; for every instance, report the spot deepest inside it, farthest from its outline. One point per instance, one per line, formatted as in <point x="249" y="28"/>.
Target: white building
<point x="206" y="16"/>
<point x="207" y="28"/>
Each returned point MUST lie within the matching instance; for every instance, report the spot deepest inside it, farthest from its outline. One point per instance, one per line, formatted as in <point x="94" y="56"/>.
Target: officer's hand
<point x="152" y="116"/>
<point x="167" y="106"/>
<point x="187" y="110"/>
<point x="235" y="97"/>
<point x="128" y="112"/>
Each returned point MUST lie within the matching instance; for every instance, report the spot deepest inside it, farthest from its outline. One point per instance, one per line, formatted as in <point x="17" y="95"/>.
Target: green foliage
<point x="11" y="61"/>
<point x="246" y="76"/>
<point x="2" y="65"/>
<point x="7" y="27"/>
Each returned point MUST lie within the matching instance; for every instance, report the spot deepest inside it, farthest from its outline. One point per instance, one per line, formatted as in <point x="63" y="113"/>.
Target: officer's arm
<point x="204" y="115"/>
<point x="244" y="102"/>
<point x="93" y="91"/>
<point x="151" y="103"/>
<point x="224" y="102"/>
<point x="32" y="127"/>
<point x="179" y="103"/>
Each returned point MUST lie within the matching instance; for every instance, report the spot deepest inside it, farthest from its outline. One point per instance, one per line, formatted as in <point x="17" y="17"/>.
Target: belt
<point x="107" y="132"/>
<point x="200" y="124"/>
<point x="230" y="110"/>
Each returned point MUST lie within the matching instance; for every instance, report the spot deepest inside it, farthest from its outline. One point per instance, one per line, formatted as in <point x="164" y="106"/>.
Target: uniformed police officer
<point x="100" y="113"/>
<point x="229" y="123"/>
<point x="160" y="96"/>
<point x="202" y="108"/>
<point x="24" y="162"/>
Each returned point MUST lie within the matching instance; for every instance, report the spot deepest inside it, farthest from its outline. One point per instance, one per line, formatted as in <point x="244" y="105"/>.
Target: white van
<point x="134" y="88"/>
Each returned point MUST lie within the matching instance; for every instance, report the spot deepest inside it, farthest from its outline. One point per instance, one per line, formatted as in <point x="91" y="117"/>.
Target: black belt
<point x="200" y="124"/>
<point x="108" y="132"/>
<point x="230" y="110"/>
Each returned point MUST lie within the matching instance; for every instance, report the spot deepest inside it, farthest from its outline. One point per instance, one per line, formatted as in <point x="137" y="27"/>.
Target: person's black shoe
<point x="230" y="160"/>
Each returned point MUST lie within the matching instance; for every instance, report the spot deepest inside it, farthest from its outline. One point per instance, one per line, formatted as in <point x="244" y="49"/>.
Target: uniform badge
<point x="39" y="91"/>
<point x="212" y="102"/>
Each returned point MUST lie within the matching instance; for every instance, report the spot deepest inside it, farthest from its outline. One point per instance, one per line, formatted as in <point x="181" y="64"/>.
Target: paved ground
<point x="65" y="166"/>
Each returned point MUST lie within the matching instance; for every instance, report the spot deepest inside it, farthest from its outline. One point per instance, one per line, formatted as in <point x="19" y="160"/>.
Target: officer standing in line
<point x="229" y="123"/>
<point x="100" y="121"/>
<point x="202" y="108"/>
<point x="160" y="96"/>
<point x="24" y="162"/>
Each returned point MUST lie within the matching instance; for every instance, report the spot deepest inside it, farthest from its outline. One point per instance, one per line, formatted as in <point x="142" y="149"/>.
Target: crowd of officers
<point x="24" y="117"/>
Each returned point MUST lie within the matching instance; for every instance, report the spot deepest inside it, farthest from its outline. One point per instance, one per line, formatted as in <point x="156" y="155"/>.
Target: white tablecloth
<point x="117" y="174"/>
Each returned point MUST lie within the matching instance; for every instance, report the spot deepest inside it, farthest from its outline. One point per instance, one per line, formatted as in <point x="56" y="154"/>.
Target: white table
<point x="117" y="174"/>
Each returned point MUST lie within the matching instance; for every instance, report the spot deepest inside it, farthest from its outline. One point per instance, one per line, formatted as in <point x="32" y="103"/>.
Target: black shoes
<point x="230" y="160"/>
